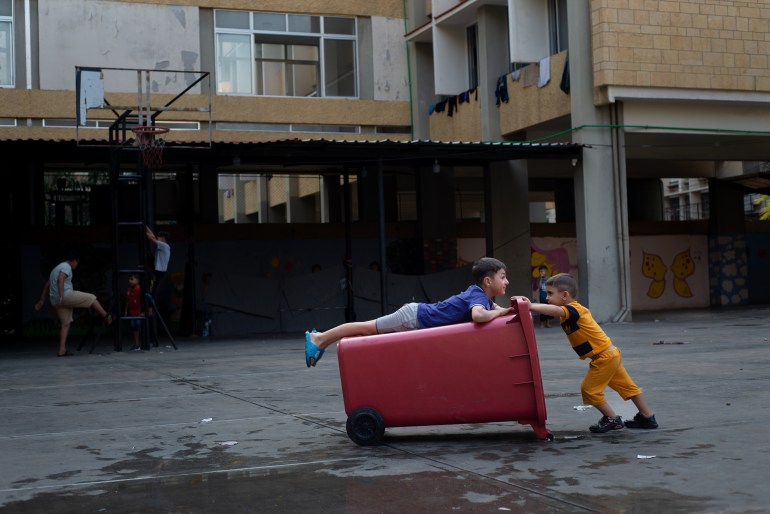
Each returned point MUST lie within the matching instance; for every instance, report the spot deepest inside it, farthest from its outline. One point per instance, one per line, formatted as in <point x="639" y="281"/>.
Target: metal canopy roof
<point x="418" y="152"/>
<point x="309" y="152"/>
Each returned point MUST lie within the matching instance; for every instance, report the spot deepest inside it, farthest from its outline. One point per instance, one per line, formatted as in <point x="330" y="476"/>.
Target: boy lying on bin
<point x="473" y="304"/>
<point x="590" y="342"/>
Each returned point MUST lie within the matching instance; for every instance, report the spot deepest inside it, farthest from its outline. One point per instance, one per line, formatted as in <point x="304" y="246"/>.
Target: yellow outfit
<point x="606" y="368"/>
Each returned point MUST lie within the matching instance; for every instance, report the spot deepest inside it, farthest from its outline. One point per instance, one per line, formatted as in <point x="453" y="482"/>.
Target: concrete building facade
<point x="647" y="89"/>
<point x="652" y="89"/>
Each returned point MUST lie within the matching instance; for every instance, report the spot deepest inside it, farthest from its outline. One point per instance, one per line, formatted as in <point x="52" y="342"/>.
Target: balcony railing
<point x="694" y="211"/>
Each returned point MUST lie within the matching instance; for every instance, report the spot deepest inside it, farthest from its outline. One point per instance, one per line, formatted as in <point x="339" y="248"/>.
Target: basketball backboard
<point x="111" y="102"/>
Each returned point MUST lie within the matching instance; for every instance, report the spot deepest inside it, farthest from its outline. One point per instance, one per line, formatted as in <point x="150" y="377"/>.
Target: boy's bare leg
<point x="606" y="410"/>
<point x="641" y="404"/>
<point x="356" y="328"/>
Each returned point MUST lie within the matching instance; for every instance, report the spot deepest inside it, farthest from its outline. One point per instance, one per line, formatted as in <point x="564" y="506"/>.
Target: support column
<point x="493" y="62"/>
<point x="599" y="186"/>
<point x="728" y="258"/>
<point x="438" y="220"/>
<point x="508" y="185"/>
<point x="510" y="224"/>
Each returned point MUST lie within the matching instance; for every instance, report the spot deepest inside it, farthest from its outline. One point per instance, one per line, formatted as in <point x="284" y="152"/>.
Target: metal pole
<point x="381" y="219"/>
<point x="350" y="313"/>
<point x="115" y="154"/>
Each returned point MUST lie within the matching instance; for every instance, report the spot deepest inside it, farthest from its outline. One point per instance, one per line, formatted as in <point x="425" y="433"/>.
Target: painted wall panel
<point x="117" y="35"/>
<point x="390" y="82"/>
<point x="669" y="272"/>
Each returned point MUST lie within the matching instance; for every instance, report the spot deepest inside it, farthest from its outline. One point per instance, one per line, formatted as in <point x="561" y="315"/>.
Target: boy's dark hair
<point x="542" y="266"/>
<point x="133" y="275"/>
<point x="563" y="282"/>
<point x="486" y="267"/>
<point x="72" y="255"/>
<point x="163" y="234"/>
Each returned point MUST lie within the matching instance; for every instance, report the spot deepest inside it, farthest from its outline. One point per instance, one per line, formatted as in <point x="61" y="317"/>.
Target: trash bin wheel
<point x="365" y="426"/>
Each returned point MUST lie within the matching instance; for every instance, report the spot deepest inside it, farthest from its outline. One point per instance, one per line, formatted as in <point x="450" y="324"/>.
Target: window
<point x="473" y="56"/>
<point x="557" y="23"/>
<point x="75" y="198"/>
<point x="274" y="54"/>
<point x="6" y="43"/>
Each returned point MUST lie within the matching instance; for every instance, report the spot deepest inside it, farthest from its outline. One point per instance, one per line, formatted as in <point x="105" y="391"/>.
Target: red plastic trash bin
<point x="464" y="373"/>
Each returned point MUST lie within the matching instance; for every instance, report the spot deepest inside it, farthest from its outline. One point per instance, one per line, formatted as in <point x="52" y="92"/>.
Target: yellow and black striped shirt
<point x="584" y="334"/>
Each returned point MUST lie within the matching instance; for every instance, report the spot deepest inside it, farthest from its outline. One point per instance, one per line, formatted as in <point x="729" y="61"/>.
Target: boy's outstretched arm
<point x="542" y="308"/>
<point x="150" y="235"/>
<point x="481" y="315"/>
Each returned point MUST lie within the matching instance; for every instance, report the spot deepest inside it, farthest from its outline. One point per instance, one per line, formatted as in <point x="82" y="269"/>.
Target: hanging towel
<point x="516" y="75"/>
<point x="545" y="72"/>
<point x="529" y="75"/>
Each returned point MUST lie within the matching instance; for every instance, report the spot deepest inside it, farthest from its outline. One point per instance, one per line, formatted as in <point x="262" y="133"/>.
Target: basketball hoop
<point x="150" y="145"/>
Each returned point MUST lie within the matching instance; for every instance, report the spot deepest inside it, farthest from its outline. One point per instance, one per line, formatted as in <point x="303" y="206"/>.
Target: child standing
<point x="540" y="294"/>
<point x="134" y="308"/>
<point x="473" y="304"/>
<point x="590" y="342"/>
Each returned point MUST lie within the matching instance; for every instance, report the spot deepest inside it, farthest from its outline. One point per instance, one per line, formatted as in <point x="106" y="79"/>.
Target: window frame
<point x="11" y="47"/>
<point x="472" y="48"/>
<point x="558" y="31"/>
<point x="287" y="37"/>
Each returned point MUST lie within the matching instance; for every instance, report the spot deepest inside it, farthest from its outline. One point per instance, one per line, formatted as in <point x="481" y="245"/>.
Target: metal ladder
<point x="126" y="186"/>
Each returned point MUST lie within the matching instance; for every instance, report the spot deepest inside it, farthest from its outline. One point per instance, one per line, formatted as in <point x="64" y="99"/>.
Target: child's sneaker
<point x="607" y="424"/>
<point x="640" y="421"/>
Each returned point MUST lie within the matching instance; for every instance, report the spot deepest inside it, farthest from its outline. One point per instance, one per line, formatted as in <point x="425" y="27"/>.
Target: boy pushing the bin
<point x="474" y="304"/>
<point x="590" y="342"/>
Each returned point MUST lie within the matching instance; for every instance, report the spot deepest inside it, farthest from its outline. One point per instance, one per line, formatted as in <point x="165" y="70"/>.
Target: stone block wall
<point x="715" y="45"/>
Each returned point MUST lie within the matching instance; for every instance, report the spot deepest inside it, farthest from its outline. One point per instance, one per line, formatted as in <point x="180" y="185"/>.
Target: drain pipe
<point x="408" y="74"/>
<point x="28" y="45"/>
<point x="621" y="213"/>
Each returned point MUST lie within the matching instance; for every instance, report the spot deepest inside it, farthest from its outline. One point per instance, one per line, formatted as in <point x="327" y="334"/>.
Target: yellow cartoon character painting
<point x="682" y="267"/>
<point x="653" y="267"/>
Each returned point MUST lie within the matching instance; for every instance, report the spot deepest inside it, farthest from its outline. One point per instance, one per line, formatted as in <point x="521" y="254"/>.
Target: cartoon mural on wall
<point x="669" y="272"/>
<point x="556" y="254"/>
<point x="654" y="268"/>
<point x="682" y="267"/>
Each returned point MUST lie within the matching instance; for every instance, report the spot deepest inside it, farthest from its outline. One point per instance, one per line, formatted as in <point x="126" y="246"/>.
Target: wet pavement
<point x="244" y="426"/>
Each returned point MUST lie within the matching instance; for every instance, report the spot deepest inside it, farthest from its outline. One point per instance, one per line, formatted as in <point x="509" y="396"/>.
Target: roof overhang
<point x="296" y="153"/>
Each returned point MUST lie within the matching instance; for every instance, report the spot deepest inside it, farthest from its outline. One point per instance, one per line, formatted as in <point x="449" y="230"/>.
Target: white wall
<point x="97" y="33"/>
<point x="389" y="54"/>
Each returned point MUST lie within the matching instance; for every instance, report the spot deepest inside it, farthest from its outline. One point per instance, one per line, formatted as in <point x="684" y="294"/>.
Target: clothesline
<point x="450" y="103"/>
<point x="538" y="73"/>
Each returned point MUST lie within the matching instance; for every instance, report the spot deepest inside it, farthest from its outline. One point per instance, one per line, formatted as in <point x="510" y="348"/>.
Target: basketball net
<point x="150" y="145"/>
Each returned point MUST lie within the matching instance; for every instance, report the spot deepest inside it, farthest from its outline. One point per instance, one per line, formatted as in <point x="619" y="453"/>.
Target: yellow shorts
<point x="606" y="369"/>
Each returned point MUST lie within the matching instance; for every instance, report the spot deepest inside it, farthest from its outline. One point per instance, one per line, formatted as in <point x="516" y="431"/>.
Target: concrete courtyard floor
<point x="243" y="426"/>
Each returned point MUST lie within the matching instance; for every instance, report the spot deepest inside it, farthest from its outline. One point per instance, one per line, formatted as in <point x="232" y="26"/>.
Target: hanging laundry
<point x="545" y="72"/>
<point x="529" y="75"/>
<point x="564" y="84"/>
<point x="516" y="75"/>
<point x="452" y="106"/>
<point x="501" y="91"/>
<point x="431" y="109"/>
<point x="440" y="106"/>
